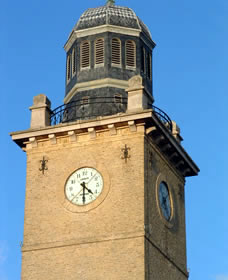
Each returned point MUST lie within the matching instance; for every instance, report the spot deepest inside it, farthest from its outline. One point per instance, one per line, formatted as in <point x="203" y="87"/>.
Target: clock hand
<point x="84" y="186"/>
<point x="164" y="203"/>
<point x="166" y="208"/>
<point x="163" y="200"/>
<point x="89" y="190"/>
<point x="83" y="194"/>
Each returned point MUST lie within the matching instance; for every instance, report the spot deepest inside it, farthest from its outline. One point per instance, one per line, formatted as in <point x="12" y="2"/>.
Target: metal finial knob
<point x="110" y="2"/>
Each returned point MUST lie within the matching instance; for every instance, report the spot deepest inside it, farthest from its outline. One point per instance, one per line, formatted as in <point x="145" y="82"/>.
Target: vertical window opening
<point x="116" y="52"/>
<point x="99" y="51"/>
<point x="130" y="54"/>
<point x="149" y="66"/>
<point x="68" y="66"/>
<point x="73" y="62"/>
<point x="85" y="54"/>
<point x="143" y="60"/>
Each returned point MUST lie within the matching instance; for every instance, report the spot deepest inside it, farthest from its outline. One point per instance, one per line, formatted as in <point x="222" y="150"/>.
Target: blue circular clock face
<point x="164" y="200"/>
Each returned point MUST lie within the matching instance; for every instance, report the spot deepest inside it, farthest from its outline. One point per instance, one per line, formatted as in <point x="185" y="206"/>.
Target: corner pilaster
<point x="138" y="98"/>
<point x="40" y="111"/>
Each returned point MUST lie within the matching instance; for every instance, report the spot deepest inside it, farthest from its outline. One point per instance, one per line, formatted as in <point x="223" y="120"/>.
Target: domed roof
<point x="111" y="15"/>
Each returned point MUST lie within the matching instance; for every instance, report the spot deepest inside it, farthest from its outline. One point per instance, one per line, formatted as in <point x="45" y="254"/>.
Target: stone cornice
<point x="108" y="82"/>
<point x="174" y="143"/>
<point x="160" y="135"/>
<point x="101" y="29"/>
<point x="22" y="136"/>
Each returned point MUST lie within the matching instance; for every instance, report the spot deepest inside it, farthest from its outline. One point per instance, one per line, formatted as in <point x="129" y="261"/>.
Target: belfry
<point x="105" y="188"/>
<point x="108" y="46"/>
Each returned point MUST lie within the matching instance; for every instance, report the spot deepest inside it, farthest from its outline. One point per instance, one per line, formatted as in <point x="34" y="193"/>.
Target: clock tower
<point x="106" y="171"/>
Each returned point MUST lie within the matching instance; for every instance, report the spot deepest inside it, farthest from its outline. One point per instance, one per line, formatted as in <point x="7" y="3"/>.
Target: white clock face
<point x="84" y="186"/>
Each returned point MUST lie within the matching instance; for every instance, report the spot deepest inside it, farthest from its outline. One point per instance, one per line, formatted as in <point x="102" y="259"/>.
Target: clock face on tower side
<point x="164" y="200"/>
<point x="84" y="186"/>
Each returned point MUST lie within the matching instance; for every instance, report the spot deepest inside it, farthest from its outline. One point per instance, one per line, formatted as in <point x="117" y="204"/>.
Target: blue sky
<point x="190" y="84"/>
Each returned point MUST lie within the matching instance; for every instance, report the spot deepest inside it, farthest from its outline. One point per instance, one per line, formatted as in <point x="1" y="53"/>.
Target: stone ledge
<point x="78" y="125"/>
<point x="81" y="241"/>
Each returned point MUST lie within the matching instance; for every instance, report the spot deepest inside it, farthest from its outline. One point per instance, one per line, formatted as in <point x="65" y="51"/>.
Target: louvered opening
<point x="143" y="60"/>
<point x="68" y="67"/>
<point x="149" y="66"/>
<point x="116" y="51"/>
<point x="130" y="54"/>
<point x="85" y="100"/>
<point x="118" y="98"/>
<point x="99" y="52"/>
<point x="85" y="54"/>
<point x="73" y="62"/>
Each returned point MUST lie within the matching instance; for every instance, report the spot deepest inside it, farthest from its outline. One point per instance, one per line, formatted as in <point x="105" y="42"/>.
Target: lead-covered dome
<point x="111" y="15"/>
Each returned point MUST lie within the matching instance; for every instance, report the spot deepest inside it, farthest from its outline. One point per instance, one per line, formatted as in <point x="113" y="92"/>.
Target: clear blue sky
<point x="190" y="84"/>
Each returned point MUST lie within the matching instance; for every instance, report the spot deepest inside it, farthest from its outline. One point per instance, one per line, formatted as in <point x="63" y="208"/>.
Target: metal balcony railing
<point x="87" y="108"/>
<point x="101" y="106"/>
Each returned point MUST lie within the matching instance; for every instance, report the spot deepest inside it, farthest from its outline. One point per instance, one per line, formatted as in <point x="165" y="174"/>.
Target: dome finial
<point x="110" y="2"/>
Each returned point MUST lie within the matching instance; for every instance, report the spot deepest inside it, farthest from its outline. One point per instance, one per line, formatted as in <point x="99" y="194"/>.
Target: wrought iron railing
<point x="164" y="118"/>
<point x="103" y="106"/>
<point x="81" y="109"/>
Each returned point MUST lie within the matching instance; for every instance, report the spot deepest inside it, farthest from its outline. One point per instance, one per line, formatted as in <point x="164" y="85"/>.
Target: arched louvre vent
<point x="130" y="54"/>
<point x="99" y="51"/>
<point x="73" y="62"/>
<point x="85" y="54"/>
<point x="116" y="51"/>
<point x="68" y="67"/>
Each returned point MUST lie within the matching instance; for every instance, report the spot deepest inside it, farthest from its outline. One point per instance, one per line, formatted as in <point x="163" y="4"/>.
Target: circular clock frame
<point x="61" y="196"/>
<point x="164" y="200"/>
<point x="163" y="179"/>
<point x="84" y="186"/>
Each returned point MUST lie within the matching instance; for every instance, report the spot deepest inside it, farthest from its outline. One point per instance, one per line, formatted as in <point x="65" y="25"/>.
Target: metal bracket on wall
<point x="125" y="152"/>
<point x="43" y="165"/>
